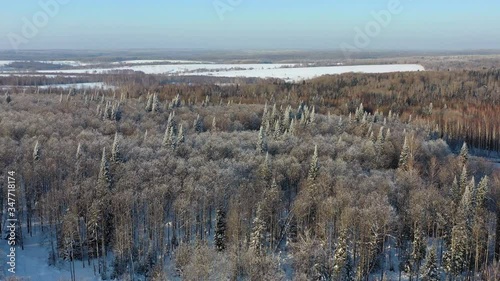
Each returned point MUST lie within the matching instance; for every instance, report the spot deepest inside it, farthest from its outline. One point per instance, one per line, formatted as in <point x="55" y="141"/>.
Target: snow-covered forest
<point x="347" y="177"/>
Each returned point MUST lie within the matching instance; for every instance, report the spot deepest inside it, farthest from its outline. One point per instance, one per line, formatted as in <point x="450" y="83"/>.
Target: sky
<point x="250" y="24"/>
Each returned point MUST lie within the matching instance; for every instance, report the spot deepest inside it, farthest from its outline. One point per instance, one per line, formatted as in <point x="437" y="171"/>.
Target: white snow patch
<point x="5" y="62"/>
<point x="175" y="68"/>
<point x="79" y="86"/>
<point x="305" y="73"/>
<point x="32" y="263"/>
<point x="157" y="61"/>
<point x="282" y="71"/>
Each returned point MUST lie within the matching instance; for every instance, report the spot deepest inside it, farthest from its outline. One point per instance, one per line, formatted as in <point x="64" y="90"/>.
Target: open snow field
<point x="287" y="72"/>
<point x="290" y="72"/>
<point x="305" y="73"/>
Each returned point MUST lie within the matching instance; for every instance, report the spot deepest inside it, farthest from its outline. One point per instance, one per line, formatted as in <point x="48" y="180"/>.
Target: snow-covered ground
<point x="156" y="61"/>
<point x="282" y="71"/>
<point x="79" y="86"/>
<point x="175" y="68"/>
<point x="32" y="263"/>
<point x="68" y="62"/>
<point x="5" y="62"/>
<point x="304" y="73"/>
<point x="38" y="75"/>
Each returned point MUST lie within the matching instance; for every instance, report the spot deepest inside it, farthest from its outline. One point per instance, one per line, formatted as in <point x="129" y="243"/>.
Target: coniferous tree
<point x="78" y="151"/>
<point x="431" y="270"/>
<point x="36" y="152"/>
<point x="115" y="150"/>
<point x="277" y="129"/>
<point x="464" y="154"/>
<point x="261" y="141"/>
<point x="380" y="136"/>
<point x="456" y="193"/>
<point x="155" y="104"/>
<point x="312" y="115"/>
<point x="181" y="137"/>
<point x="404" y="158"/>
<point x="220" y="230"/>
<point x="214" y="125"/>
<point x="198" y="124"/>
<point x="359" y="114"/>
<point x="314" y="166"/>
<point x="287" y="117"/>
<point x="104" y="174"/>
<point x="265" y="169"/>
<point x="457" y="258"/>
<point x="482" y="192"/>
<point x="149" y="103"/>
<point x="463" y="179"/>
<point x="258" y="235"/>
<point x="388" y="135"/>
<point x="291" y="128"/>
<point x="340" y="258"/>
<point x="418" y="248"/>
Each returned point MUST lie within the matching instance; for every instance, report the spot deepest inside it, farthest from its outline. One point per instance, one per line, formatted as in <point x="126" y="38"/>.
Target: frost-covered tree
<point x="277" y="129"/>
<point x="340" y="258"/>
<point x="78" y="151"/>
<point x="312" y="115"/>
<point x="468" y="203"/>
<point x="169" y="139"/>
<point x="482" y="192"/>
<point x="220" y="230"/>
<point x="180" y="136"/>
<point x="380" y="136"/>
<point x="464" y="154"/>
<point x="431" y="270"/>
<point x="265" y="169"/>
<point x="388" y="135"/>
<point x="418" y="248"/>
<point x="287" y="117"/>
<point x="258" y="235"/>
<point x="404" y="157"/>
<point x="360" y="112"/>
<point x="456" y="193"/>
<point x="463" y="179"/>
<point x="198" y="124"/>
<point x="314" y="166"/>
<point x="457" y="256"/>
<point x="115" y="150"/>
<point x="292" y="128"/>
<point x="104" y="174"/>
<point x="214" y="125"/>
<point x="261" y="141"/>
<point x="155" y="104"/>
<point x="36" y="151"/>
<point x="149" y="103"/>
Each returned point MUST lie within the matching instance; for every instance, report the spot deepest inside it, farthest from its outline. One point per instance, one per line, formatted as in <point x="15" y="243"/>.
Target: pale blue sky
<point x="252" y="24"/>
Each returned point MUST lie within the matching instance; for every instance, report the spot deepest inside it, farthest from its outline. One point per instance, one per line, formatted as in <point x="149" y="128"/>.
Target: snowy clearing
<point x="304" y="73"/>
<point x="32" y="263"/>
<point x="282" y="71"/>
<point x="157" y="61"/>
<point x="79" y="86"/>
<point x="175" y="68"/>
